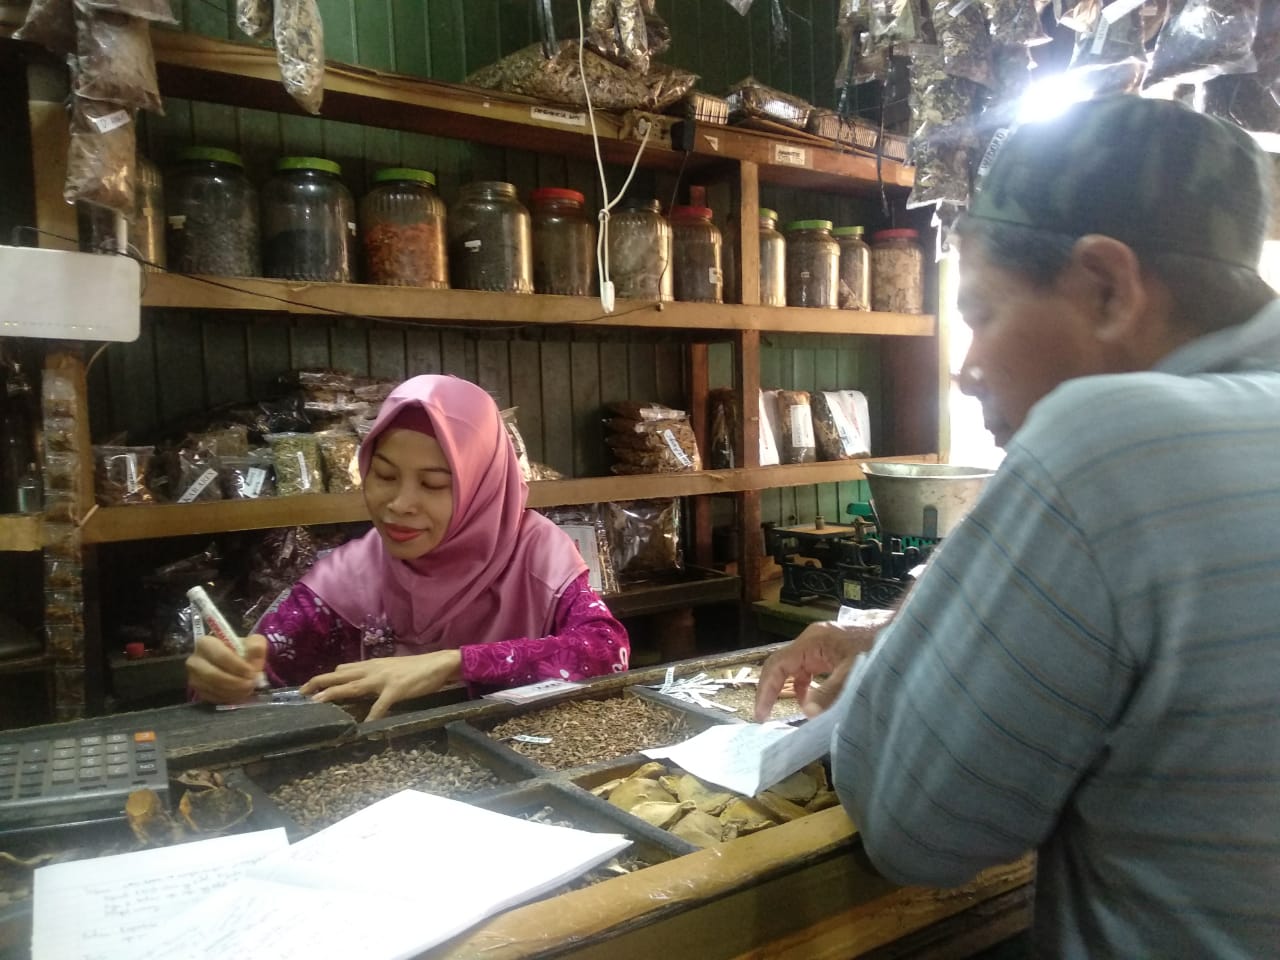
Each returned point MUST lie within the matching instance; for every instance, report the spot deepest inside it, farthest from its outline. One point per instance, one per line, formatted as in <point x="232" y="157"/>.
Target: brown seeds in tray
<point x="587" y="731"/>
<point x="328" y="795"/>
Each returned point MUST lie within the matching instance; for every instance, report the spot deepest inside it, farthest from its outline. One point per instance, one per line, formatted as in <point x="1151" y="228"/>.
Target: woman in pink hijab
<point x="456" y="580"/>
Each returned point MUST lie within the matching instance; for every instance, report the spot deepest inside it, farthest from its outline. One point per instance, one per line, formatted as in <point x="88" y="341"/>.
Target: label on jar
<point x="677" y="451"/>
<point x="567" y="117"/>
<point x="789" y="155"/>
<point x="801" y="426"/>
<point x="198" y="487"/>
<point x="351" y="225"/>
<point x="254" y="478"/>
<point x="715" y="276"/>
<point x="178" y="221"/>
<point x="473" y="245"/>
<point x="112" y="121"/>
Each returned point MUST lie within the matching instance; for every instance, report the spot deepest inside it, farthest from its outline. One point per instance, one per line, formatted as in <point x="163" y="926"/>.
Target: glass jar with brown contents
<point x="402" y="230"/>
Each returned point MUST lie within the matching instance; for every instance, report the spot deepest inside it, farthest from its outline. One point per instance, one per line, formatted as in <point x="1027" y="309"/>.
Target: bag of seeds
<point x="155" y="11"/>
<point x="838" y="418"/>
<point x="297" y="461"/>
<point x="943" y="146"/>
<point x="644" y="538"/>
<point x="586" y="526"/>
<point x="338" y="451"/>
<point x="254" y="18"/>
<point x="1205" y="38"/>
<point x="121" y="475"/>
<point x="247" y="478"/>
<point x="102" y="155"/>
<point x="299" y="34"/>
<point x="286" y="415"/>
<point x="51" y="24"/>
<point x="795" y="428"/>
<point x="724" y="429"/>
<point x="114" y="60"/>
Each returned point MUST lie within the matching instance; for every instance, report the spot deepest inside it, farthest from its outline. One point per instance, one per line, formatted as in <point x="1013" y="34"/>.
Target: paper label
<point x="530" y="738"/>
<point x="254" y="478"/>
<point x="473" y="245"/>
<point x="198" y="487"/>
<point x="791" y="156"/>
<point x="715" y="275"/>
<point x="131" y="473"/>
<point x="304" y="474"/>
<point x="959" y="8"/>
<point x="801" y="426"/>
<point x="805" y="274"/>
<point x="677" y="451"/>
<point x="112" y="121"/>
<point x="1118" y="8"/>
<point x="713" y="142"/>
<point x="569" y="118"/>
<point x="351" y="226"/>
<point x="993" y="150"/>
<point x="178" y="221"/>
<point x="1100" y="36"/>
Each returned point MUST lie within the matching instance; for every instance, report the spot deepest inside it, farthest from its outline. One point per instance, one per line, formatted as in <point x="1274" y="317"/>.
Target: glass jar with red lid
<point x="697" y="242"/>
<point x="897" y="271"/>
<point x="564" y="243"/>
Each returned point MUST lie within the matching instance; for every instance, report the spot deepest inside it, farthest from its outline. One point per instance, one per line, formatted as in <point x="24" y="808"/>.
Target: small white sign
<point x="791" y="156"/>
<point x="533" y="691"/>
<point x="112" y="121"/>
<point x="569" y="118"/>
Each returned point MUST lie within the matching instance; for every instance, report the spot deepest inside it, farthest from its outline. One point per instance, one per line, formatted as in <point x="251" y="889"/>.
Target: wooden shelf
<point x="117" y="524"/>
<point x="201" y="68"/>
<point x="175" y="291"/>
<point x="29" y="664"/>
<point x="20" y="533"/>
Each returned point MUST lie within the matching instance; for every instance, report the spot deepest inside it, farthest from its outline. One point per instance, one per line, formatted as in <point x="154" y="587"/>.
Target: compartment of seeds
<point x="728" y="690"/>
<point x="586" y="731"/>
<point x="565" y="805"/>
<point x="317" y="787"/>
<point x="701" y="813"/>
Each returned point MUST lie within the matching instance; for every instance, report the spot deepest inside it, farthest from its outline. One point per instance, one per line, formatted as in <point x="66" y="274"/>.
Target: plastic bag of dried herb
<point x="616" y="29"/>
<point x="114" y="61"/>
<point x="768" y="411"/>
<point x="297" y="462"/>
<point x="1204" y="39"/>
<point x="795" y="427"/>
<point x="1015" y="22"/>
<point x="644" y="538"/>
<point x="338" y="451"/>
<point x="196" y="475"/>
<point x="585" y="524"/>
<point x="102" y="155"/>
<point x="155" y="11"/>
<point x="254" y="18"/>
<point x="121" y="475"/>
<point x="247" y="478"/>
<point x="966" y="46"/>
<point x="724" y="453"/>
<point x="836" y="425"/>
<point x="51" y="24"/>
<point x="299" y="34"/>
<point x="1100" y="41"/>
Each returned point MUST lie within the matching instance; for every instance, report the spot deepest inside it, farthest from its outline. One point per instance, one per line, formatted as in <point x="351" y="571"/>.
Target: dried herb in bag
<point x="616" y="29"/>
<point x="966" y="46"/>
<point x="943" y="143"/>
<point x="1205" y="38"/>
<point x="51" y="24"/>
<point x="114" y="59"/>
<point x="836" y="425"/>
<point x="196" y="475"/>
<point x="121" y="475"/>
<point x="795" y="428"/>
<point x="517" y="441"/>
<point x="102" y="155"/>
<point x="1099" y="41"/>
<point x="297" y="463"/>
<point x="586" y="526"/>
<point x="247" y="478"/>
<point x="254" y="18"/>
<point x="1015" y="22"/>
<point x="338" y="452"/>
<point x="644" y="537"/>
<point x="299" y="34"/>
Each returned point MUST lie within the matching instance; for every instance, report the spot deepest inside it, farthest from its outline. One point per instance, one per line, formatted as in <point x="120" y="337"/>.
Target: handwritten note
<point x="108" y="907"/>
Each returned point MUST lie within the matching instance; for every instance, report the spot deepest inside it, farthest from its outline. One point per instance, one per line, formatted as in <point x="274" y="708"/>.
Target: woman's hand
<point x="217" y="674"/>
<point x="390" y="679"/>
<point x="822" y="648"/>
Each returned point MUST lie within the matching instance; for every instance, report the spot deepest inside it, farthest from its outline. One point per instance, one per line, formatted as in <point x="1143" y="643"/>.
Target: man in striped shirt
<point x="1090" y="665"/>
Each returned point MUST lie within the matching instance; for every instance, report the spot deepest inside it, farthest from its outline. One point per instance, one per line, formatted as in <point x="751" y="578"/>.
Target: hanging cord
<point x="602" y="236"/>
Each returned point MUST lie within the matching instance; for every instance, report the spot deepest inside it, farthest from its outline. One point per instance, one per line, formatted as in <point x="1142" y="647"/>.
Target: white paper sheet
<point x="111" y="906"/>
<point x="390" y="881"/>
<point x="750" y="757"/>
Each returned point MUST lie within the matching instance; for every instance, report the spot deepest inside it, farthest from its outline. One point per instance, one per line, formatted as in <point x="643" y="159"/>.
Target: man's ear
<point x="1113" y="281"/>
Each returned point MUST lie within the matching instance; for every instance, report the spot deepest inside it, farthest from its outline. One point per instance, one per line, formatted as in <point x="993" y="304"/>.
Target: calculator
<point x="46" y="781"/>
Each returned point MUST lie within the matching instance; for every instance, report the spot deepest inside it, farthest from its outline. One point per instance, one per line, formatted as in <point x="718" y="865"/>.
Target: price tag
<point x="255" y="477"/>
<point x="530" y="738"/>
<point x="112" y="121"/>
<point x="569" y="118"/>
<point x="789" y="155"/>
<point x="198" y="487"/>
<point x="1118" y="8"/>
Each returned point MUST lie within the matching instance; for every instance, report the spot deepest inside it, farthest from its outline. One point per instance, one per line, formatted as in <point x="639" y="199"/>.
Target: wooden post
<point x="747" y="380"/>
<point x="698" y="388"/>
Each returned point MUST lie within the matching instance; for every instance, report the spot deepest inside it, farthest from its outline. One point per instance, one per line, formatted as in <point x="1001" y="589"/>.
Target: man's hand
<point x="390" y="679"/>
<point x="217" y="674"/>
<point x="822" y="648"/>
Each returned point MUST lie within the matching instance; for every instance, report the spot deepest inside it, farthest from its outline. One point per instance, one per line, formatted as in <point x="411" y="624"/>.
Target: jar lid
<point x="767" y="214"/>
<point x="808" y="225"/>
<point x="690" y="213"/>
<point x="309" y="163"/>
<point x="405" y="173"/>
<point x="641" y="203"/>
<point x="848" y="231"/>
<point x="902" y="234"/>
<point x="556" y="193"/>
<point x="215" y="154"/>
<point x="499" y="187"/>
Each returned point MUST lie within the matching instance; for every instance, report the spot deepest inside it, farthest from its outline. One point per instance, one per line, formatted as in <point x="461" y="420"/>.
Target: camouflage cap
<point x="1153" y="174"/>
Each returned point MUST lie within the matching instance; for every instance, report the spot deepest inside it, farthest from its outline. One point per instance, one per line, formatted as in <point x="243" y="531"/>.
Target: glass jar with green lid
<point x="490" y="239"/>
<point x="699" y="276"/>
<point x="308" y="222"/>
<point x="855" y="268"/>
<point x="639" y="247"/>
<point x="564" y="243"/>
<point x="897" y="271"/>
<point x="813" y="264"/>
<point x="402" y="230"/>
<point x="211" y="215"/>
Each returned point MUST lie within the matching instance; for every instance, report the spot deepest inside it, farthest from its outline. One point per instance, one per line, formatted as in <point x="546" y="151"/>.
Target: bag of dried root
<point x="724" y="453"/>
<point x="644" y="538"/>
<point x="51" y="24"/>
<point x="296" y="457"/>
<point x="653" y="446"/>
<point x="102" y="156"/>
<point x="248" y="477"/>
<point x="253" y="17"/>
<point x="299" y="34"/>
<point x="750" y="98"/>
<point x="585" y="525"/>
<point x="839" y="417"/>
<point x="339" y="450"/>
<point x="121" y="474"/>
<point x="114" y="60"/>
<point x="795" y="427"/>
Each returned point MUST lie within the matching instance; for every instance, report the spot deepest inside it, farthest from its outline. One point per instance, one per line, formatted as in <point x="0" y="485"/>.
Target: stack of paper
<point x="388" y="882"/>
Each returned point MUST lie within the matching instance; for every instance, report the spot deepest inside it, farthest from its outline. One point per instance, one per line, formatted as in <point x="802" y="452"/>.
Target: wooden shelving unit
<point x="20" y="533"/>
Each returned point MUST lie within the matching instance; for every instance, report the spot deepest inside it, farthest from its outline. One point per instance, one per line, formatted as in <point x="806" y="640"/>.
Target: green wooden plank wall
<point x="447" y="39"/>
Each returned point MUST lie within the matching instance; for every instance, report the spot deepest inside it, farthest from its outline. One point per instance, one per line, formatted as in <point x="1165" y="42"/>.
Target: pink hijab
<point x="500" y="568"/>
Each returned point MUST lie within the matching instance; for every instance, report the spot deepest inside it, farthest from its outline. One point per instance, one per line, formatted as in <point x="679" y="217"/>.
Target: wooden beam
<point x="20" y="534"/>
<point x="746" y="360"/>
<point x="698" y="390"/>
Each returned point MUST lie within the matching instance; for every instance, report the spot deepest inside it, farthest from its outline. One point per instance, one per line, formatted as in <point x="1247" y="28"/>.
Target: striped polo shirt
<point x="1090" y="667"/>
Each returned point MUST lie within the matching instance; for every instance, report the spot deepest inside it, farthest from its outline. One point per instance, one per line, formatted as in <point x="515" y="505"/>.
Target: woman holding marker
<point x="457" y="580"/>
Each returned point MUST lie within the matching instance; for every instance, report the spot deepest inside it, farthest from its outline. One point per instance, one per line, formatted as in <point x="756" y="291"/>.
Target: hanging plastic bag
<point x="943" y="142"/>
<point x="102" y="155"/>
<point x="299" y="34"/>
<point x="114" y="59"/>
<point x="254" y="18"/>
<point x="51" y="24"/>
<point x="586" y="526"/>
<point x="1102" y="39"/>
<point x="644" y="538"/>
<point x="1015" y="22"/>
<point x="616" y="29"/>
<point x="155" y="11"/>
<point x="795" y="428"/>
<point x="1204" y="39"/>
<point x="966" y="46"/>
